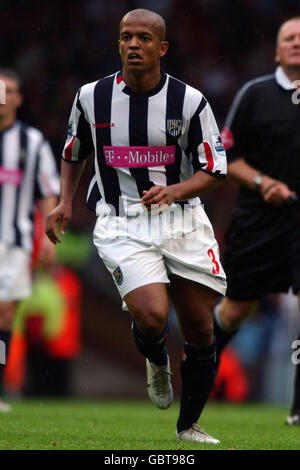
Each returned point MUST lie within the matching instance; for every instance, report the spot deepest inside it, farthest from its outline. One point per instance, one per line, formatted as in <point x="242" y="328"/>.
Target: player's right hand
<point x="57" y="221"/>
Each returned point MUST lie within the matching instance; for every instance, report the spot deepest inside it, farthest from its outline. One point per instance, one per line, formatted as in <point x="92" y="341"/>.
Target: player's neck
<point x="6" y="122"/>
<point x="141" y="83"/>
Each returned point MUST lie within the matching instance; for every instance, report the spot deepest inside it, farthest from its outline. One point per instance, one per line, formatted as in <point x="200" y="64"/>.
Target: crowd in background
<point x="57" y="46"/>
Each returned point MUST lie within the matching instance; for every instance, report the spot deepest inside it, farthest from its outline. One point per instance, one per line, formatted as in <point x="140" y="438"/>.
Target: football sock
<point x="197" y="371"/>
<point x="296" y="401"/>
<point x="152" y="347"/>
<point x="222" y="336"/>
<point x="5" y="338"/>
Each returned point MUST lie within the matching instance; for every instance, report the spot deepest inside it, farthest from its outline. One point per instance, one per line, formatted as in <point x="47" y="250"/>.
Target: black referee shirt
<point x="263" y="127"/>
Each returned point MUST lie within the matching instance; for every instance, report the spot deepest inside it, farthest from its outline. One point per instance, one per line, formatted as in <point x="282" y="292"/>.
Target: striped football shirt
<point x="28" y="171"/>
<point x="161" y="137"/>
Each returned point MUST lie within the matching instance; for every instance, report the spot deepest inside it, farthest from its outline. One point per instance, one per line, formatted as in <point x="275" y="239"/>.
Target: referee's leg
<point x="229" y="314"/>
<point x="294" y="418"/>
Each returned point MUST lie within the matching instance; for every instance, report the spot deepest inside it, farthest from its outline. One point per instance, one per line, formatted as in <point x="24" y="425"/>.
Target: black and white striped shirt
<point x="28" y="172"/>
<point x="158" y="138"/>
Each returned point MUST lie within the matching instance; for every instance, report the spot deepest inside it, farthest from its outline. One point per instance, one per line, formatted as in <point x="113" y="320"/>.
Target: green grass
<point x="131" y="425"/>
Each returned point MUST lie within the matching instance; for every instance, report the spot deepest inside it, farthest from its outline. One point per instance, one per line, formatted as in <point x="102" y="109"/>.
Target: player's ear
<point x="164" y="46"/>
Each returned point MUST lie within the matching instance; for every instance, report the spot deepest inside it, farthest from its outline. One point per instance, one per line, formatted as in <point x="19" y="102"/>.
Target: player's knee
<point x="201" y="336"/>
<point x="152" y="321"/>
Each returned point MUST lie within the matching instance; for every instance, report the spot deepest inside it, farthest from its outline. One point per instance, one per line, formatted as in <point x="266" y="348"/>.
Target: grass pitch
<point x="138" y="425"/>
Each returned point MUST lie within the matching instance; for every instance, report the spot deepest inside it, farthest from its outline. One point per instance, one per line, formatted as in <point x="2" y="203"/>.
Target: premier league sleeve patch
<point x="218" y="144"/>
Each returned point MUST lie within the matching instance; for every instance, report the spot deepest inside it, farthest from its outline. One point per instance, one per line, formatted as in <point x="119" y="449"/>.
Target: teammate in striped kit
<point x="28" y="175"/>
<point x="157" y="149"/>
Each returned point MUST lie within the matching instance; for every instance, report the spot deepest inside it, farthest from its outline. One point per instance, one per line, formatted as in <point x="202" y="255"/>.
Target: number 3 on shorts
<point x="216" y="266"/>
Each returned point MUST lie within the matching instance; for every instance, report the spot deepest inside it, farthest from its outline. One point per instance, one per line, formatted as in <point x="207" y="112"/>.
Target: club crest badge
<point x="174" y="127"/>
<point x="118" y="276"/>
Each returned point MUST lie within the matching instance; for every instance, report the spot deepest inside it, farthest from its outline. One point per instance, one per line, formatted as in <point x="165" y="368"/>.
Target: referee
<point x="262" y="139"/>
<point x="28" y="176"/>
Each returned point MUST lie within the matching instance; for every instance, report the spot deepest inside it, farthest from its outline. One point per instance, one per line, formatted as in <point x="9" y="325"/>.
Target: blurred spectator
<point x="231" y="383"/>
<point x="46" y="336"/>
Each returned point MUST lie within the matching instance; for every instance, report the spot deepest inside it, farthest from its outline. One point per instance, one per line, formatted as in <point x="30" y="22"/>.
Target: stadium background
<point x="215" y="46"/>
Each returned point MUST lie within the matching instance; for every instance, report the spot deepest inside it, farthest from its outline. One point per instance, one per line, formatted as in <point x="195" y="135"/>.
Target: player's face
<point x="288" y="45"/>
<point x="13" y="97"/>
<point x="140" y="46"/>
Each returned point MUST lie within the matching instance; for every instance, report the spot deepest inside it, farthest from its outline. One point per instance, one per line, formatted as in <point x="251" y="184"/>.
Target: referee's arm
<point x="273" y="191"/>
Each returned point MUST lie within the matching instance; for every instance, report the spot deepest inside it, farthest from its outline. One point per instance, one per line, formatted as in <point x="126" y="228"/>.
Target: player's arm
<point x="273" y="191"/>
<point x="198" y="185"/>
<point x="237" y="138"/>
<point x="60" y="216"/>
<point x="206" y="153"/>
<point x="78" y="147"/>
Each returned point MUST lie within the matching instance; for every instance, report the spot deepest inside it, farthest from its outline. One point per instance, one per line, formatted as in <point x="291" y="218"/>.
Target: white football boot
<point x="195" y="434"/>
<point x="159" y="385"/>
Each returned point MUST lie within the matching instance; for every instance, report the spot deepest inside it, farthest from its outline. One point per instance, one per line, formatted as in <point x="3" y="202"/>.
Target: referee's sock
<point x="296" y="399"/>
<point x="152" y="347"/>
<point x="197" y="371"/>
<point x="4" y="346"/>
<point x="222" y="336"/>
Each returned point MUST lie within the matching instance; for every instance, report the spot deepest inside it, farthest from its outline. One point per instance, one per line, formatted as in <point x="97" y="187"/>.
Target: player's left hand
<point x="158" y="198"/>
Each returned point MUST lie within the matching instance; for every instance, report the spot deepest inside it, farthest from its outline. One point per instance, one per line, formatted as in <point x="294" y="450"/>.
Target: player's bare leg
<point x="149" y="308"/>
<point x="194" y="304"/>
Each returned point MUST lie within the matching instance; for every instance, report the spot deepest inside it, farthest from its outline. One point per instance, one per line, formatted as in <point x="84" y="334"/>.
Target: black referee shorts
<point x="259" y="263"/>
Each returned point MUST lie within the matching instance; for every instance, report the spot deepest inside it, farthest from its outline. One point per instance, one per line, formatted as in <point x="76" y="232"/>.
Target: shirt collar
<point x="149" y="93"/>
<point x="283" y="80"/>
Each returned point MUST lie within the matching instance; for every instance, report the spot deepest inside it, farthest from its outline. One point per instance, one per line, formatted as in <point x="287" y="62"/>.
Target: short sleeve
<point x="79" y="143"/>
<point x="204" y="142"/>
<point x="235" y="134"/>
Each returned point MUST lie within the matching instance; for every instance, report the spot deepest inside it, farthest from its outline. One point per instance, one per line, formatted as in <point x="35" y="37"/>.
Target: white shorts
<point x="15" y="276"/>
<point x="146" y="248"/>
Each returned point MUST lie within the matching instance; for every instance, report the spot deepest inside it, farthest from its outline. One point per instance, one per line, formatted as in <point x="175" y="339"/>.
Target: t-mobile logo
<point x="2" y="352"/>
<point x="2" y="92"/>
